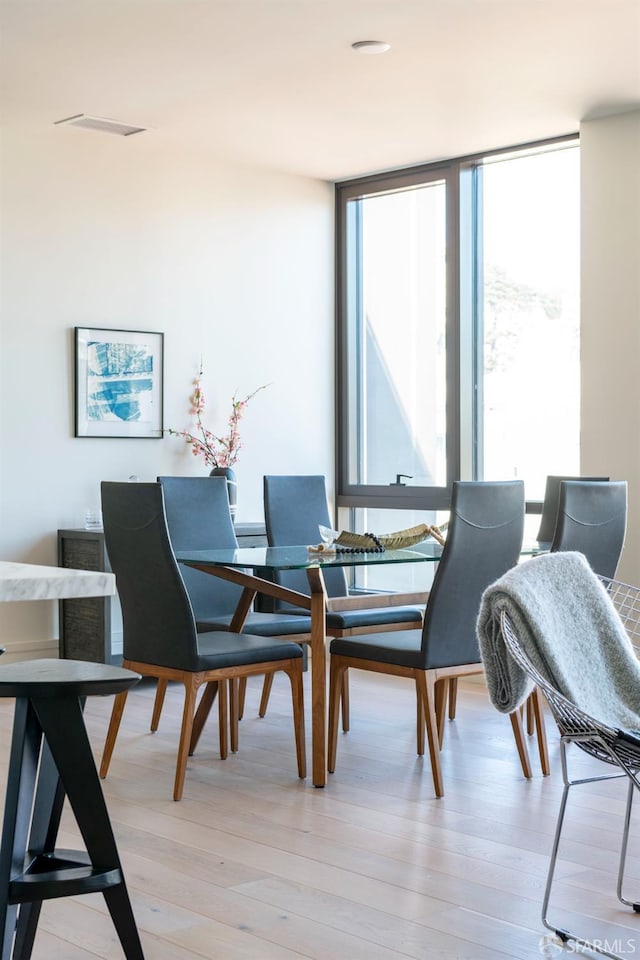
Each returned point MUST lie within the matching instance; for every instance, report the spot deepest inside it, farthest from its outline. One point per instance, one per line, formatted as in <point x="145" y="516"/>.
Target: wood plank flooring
<point x="254" y="864"/>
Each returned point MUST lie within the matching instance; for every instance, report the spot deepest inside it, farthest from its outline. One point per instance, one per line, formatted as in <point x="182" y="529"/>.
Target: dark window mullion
<point x="453" y="324"/>
<point x="478" y="321"/>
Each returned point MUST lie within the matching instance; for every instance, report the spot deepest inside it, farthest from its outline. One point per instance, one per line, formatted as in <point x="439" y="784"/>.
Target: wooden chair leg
<point x="521" y="743"/>
<point x="427" y="692"/>
<point x="234" y="698"/>
<point x="266" y="693"/>
<point x="442" y="690"/>
<point x="530" y="716"/>
<point x="538" y="714"/>
<point x="158" y="703"/>
<point x="242" y="696"/>
<point x="222" y="718"/>
<point x="294" y="672"/>
<point x="453" y="697"/>
<point x="344" y="696"/>
<point x="204" y="708"/>
<point x="420" y="722"/>
<point x="337" y="671"/>
<point x="112" y="732"/>
<point x="191" y="684"/>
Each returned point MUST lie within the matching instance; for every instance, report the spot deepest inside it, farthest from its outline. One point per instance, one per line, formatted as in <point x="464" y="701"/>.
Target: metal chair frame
<point x="616" y="747"/>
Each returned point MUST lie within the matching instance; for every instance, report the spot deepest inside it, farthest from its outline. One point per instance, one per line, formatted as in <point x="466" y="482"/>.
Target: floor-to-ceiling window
<point x="458" y="326"/>
<point x="398" y="314"/>
<point x="528" y="316"/>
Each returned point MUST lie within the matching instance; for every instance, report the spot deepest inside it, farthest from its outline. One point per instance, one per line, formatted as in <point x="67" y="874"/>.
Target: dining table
<point x="256" y="568"/>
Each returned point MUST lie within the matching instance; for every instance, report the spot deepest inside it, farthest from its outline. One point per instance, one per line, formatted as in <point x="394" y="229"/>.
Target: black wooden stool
<point x="51" y="758"/>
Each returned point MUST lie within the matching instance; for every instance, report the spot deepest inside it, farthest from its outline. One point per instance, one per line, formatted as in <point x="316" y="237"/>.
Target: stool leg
<point x="119" y="906"/>
<point x="63" y="727"/>
<point x="26" y="930"/>
<point x="23" y="766"/>
<point x="47" y="811"/>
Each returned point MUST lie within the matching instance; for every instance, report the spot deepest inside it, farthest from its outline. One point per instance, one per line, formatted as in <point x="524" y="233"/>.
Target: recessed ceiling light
<point x="370" y="46"/>
<point x="103" y="124"/>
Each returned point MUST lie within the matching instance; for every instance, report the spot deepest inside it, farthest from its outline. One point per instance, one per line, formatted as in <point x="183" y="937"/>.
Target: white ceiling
<point x="275" y="82"/>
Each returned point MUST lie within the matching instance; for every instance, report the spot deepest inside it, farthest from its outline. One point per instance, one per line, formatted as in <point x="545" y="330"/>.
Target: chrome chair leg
<point x="623" y="850"/>
<point x="564" y="936"/>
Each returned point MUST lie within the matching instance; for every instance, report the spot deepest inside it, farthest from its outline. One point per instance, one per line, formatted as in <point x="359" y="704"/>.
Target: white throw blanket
<point x="570" y="630"/>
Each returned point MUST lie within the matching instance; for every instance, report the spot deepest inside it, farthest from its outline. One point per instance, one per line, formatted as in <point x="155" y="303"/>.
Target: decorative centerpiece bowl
<point x="390" y="541"/>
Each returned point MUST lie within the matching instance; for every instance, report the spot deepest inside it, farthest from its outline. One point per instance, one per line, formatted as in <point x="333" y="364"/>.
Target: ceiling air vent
<point x="102" y="124"/>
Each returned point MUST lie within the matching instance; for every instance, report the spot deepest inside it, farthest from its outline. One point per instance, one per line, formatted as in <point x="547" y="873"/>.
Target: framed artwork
<point x="118" y="383"/>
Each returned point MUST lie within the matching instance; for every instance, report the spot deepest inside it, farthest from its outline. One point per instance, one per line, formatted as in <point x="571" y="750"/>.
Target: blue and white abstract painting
<point x="119" y="381"/>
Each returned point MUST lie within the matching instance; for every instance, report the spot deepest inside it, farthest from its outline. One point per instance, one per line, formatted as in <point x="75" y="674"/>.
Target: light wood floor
<point x="254" y="864"/>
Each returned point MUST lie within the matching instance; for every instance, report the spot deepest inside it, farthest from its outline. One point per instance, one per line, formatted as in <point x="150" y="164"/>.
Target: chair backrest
<point x="592" y="520"/>
<point x="198" y="518"/>
<point x="484" y="539"/>
<point x="158" y="621"/>
<point x="550" y="505"/>
<point x="294" y="507"/>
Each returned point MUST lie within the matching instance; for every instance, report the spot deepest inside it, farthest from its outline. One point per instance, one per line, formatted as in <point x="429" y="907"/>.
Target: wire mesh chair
<point x="619" y="748"/>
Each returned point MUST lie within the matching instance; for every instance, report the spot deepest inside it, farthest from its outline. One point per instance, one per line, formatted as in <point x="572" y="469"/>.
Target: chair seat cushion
<point x="261" y="624"/>
<point x="402" y="648"/>
<point x="373" y="616"/>
<point x="220" y="649"/>
<point x="369" y="617"/>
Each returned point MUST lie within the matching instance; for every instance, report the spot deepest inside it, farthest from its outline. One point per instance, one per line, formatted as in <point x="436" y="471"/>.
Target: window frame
<point x="462" y="325"/>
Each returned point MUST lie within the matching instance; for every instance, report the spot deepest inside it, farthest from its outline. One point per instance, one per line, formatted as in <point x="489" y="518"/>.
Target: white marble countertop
<point x="28" y="581"/>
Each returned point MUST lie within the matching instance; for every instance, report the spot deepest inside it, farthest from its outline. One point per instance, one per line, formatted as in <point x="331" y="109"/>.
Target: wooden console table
<point x="85" y="623"/>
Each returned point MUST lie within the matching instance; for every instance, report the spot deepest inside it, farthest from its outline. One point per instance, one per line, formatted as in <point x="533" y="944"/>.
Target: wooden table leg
<point x="237" y="703"/>
<point x="318" y="677"/>
<point x="316" y="603"/>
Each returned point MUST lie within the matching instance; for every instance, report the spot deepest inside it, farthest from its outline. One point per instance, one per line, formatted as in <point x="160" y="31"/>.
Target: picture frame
<point x="118" y="383"/>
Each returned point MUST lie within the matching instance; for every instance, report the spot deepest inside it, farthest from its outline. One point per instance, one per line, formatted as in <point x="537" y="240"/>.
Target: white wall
<point x="610" y="311"/>
<point x="232" y="264"/>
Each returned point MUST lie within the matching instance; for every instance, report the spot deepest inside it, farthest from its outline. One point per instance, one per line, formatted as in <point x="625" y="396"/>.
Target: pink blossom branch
<point x="216" y="451"/>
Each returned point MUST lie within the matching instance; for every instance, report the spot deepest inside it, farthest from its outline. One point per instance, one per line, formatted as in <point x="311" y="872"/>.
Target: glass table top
<point x="300" y="558"/>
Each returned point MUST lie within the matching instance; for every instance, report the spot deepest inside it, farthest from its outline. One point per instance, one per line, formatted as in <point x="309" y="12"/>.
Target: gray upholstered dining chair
<point x="198" y="518"/>
<point x="547" y="533"/>
<point x="592" y="520"/>
<point x="484" y="540"/>
<point x="551" y="502"/>
<point x="160" y="636"/>
<point x="294" y="507"/>
<point x="544" y="535"/>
